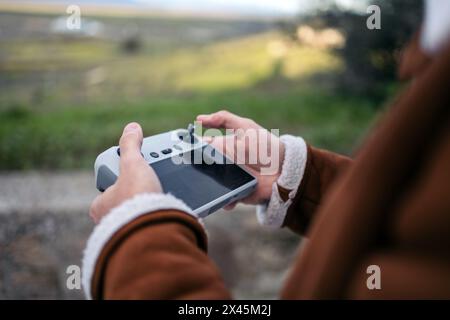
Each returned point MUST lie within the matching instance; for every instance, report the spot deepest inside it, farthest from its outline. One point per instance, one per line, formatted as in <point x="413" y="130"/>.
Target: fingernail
<point x="131" y="127"/>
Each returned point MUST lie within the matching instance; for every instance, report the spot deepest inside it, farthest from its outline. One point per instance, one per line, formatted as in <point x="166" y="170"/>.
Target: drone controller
<point x="188" y="168"/>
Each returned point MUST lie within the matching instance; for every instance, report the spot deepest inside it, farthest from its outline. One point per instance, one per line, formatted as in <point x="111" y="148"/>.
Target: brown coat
<point x="390" y="207"/>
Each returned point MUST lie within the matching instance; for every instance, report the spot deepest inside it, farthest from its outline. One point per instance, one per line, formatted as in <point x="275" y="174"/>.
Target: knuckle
<point x="126" y="137"/>
<point x="123" y="140"/>
<point x="223" y="113"/>
<point x="249" y="121"/>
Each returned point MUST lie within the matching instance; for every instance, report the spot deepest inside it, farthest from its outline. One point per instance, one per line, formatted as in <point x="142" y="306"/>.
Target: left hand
<point x="135" y="177"/>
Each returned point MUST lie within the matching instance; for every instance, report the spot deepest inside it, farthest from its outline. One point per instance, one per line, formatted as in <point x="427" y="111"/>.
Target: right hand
<point x="264" y="147"/>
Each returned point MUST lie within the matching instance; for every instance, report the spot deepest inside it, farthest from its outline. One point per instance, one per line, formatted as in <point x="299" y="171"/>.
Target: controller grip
<point x="105" y="178"/>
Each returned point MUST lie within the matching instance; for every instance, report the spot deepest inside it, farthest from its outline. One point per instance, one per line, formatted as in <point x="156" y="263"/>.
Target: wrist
<point x="285" y="187"/>
<point x="294" y="163"/>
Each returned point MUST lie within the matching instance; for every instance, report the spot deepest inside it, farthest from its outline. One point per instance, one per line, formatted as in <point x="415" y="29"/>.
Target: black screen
<point x="199" y="184"/>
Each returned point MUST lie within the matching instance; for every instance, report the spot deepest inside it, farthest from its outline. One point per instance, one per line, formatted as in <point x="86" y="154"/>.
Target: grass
<point x="63" y="102"/>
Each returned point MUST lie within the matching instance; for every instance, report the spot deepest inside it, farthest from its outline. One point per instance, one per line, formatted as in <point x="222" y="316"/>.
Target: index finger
<point x="224" y="120"/>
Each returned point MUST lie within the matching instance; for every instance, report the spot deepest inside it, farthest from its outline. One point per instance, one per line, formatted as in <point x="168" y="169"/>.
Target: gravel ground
<point x="44" y="227"/>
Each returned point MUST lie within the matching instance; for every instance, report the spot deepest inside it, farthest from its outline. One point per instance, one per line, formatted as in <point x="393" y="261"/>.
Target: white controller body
<point x="158" y="148"/>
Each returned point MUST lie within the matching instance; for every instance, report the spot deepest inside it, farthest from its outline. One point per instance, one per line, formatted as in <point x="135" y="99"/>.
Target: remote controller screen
<point x="199" y="184"/>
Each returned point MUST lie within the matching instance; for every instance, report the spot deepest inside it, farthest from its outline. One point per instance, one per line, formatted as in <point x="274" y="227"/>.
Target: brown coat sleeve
<point x="322" y="168"/>
<point x="161" y="255"/>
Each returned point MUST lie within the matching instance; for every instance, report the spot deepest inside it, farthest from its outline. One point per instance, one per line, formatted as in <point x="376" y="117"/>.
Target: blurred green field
<point x="62" y="101"/>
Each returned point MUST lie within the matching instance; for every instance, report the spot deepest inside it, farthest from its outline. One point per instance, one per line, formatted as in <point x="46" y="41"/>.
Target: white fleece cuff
<point x="436" y="27"/>
<point x="273" y="213"/>
<point x="118" y="217"/>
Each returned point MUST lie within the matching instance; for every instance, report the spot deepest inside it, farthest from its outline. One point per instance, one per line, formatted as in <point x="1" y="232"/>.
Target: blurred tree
<point x="131" y="42"/>
<point x="370" y="56"/>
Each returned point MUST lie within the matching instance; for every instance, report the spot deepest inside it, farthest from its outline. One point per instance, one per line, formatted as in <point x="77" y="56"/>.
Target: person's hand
<point x="260" y="151"/>
<point x="135" y="177"/>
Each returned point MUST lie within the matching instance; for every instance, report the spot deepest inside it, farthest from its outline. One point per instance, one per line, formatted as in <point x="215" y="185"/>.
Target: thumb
<point x="130" y="143"/>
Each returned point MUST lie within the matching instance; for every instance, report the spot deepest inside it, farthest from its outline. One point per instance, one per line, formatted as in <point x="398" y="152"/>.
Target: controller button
<point x="154" y="154"/>
<point x="167" y="151"/>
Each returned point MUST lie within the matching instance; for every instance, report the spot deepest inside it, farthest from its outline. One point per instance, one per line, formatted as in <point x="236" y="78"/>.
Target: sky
<point x="246" y="7"/>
